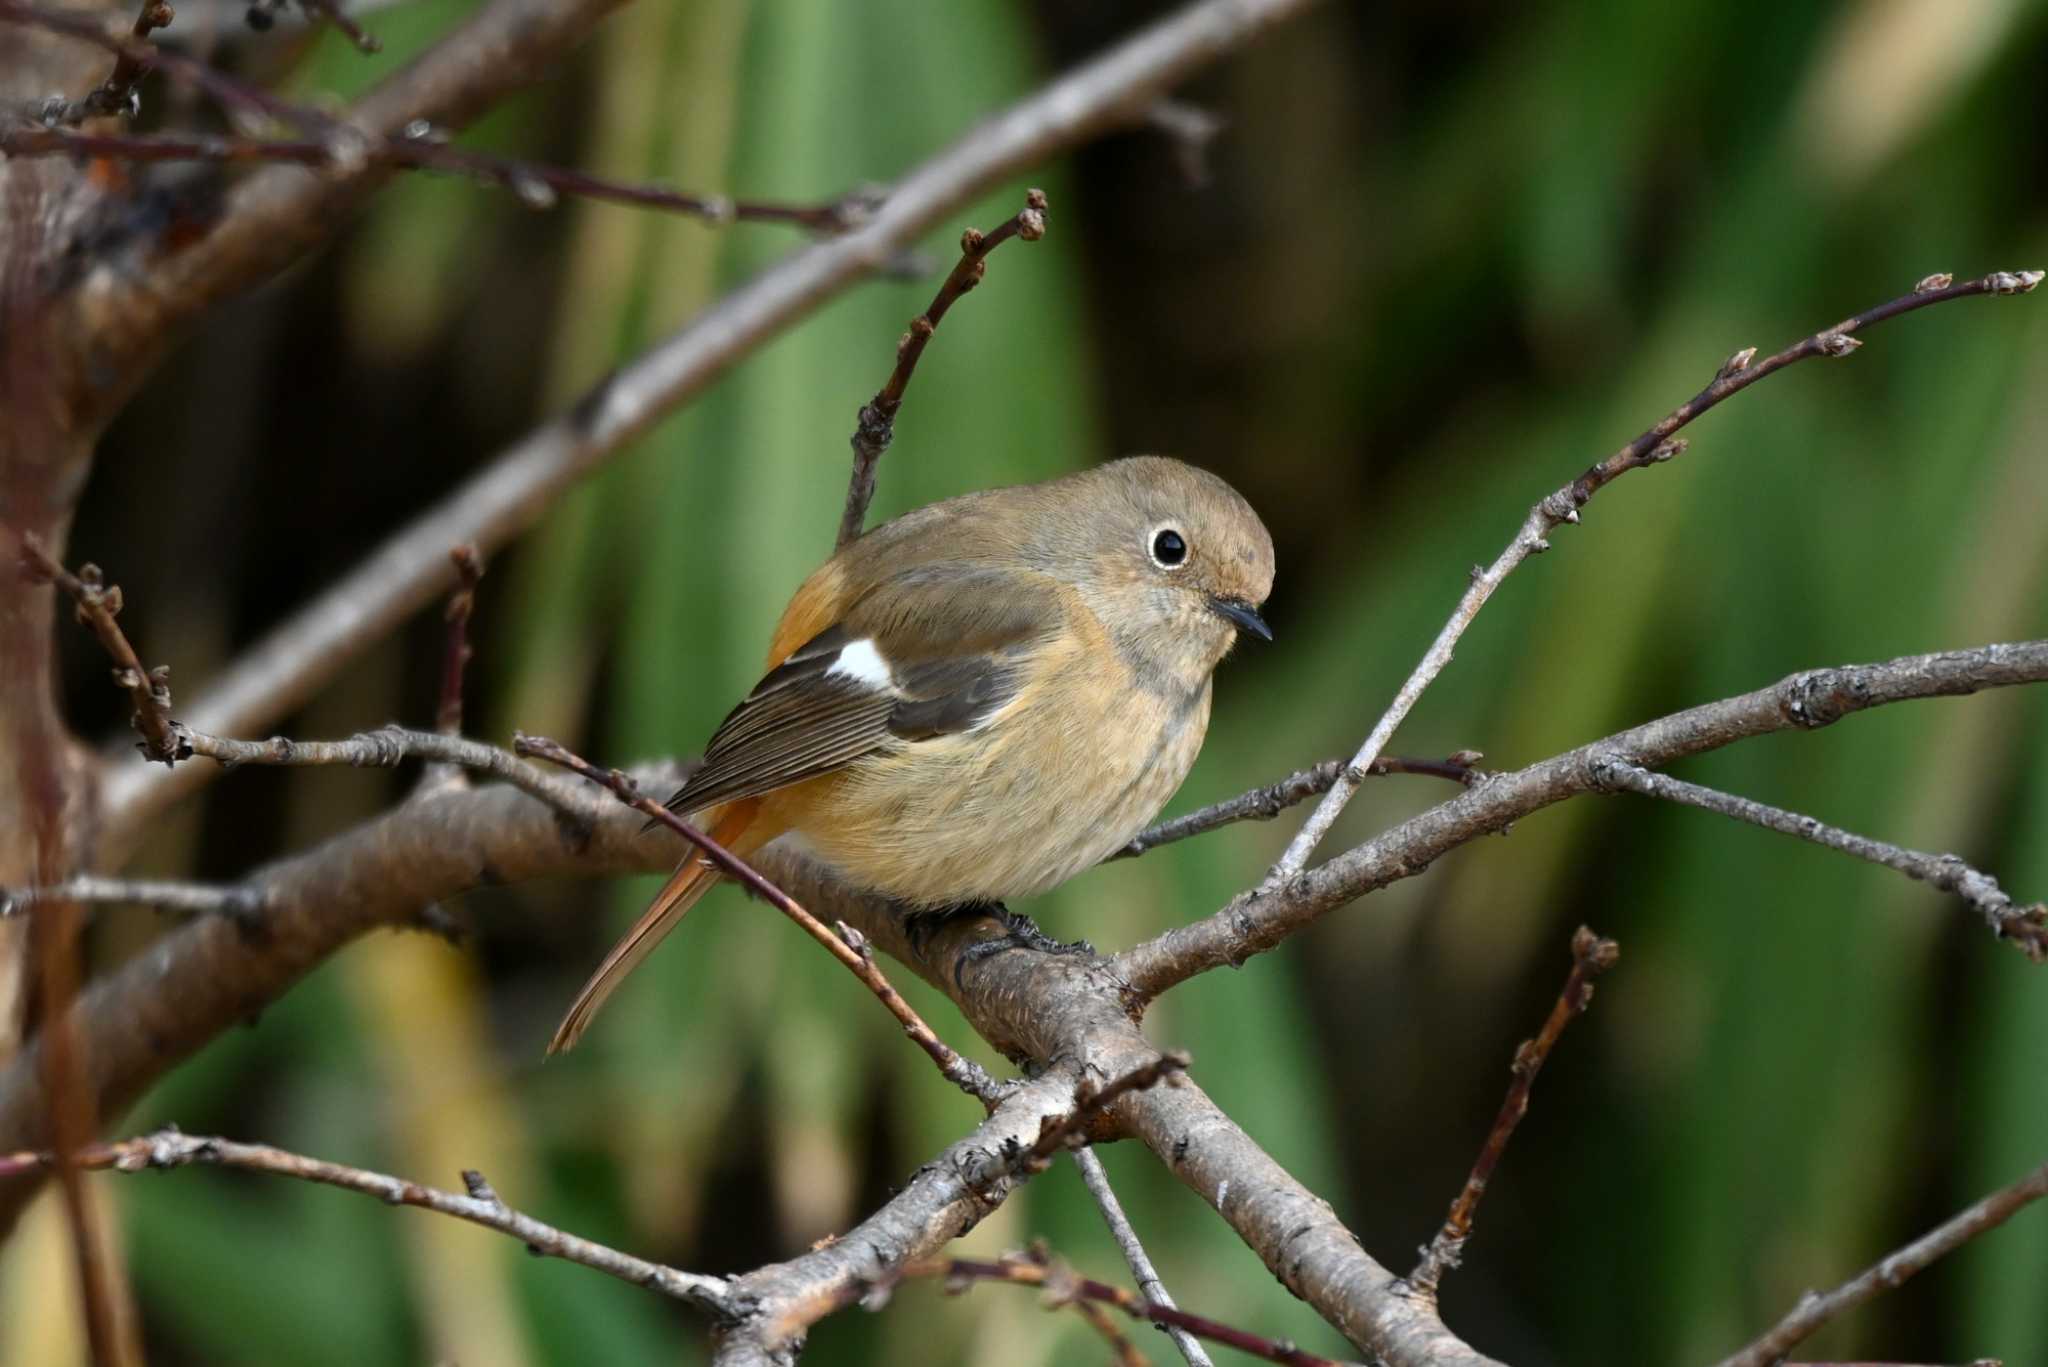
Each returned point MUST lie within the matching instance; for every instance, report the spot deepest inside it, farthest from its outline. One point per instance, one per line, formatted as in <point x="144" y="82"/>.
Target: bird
<point x="980" y="698"/>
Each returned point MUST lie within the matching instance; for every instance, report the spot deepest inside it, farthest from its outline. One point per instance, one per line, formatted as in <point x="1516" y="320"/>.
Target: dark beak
<point x="1243" y="614"/>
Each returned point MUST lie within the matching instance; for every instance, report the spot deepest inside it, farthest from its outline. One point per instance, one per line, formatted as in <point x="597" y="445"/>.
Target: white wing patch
<point x="861" y="662"/>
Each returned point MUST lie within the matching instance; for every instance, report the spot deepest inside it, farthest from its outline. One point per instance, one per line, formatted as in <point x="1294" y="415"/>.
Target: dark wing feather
<point x="955" y="645"/>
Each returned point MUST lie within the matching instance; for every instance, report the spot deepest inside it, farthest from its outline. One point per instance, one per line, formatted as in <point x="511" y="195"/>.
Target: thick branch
<point x="482" y="1206"/>
<point x="411" y="569"/>
<point x="1816" y="1309"/>
<point x="1258" y="920"/>
<point x="2025" y="926"/>
<point x="1560" y="508"/>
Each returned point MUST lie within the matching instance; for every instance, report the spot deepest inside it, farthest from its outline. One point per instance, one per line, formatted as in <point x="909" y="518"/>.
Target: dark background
<point x="1449" y="255"/>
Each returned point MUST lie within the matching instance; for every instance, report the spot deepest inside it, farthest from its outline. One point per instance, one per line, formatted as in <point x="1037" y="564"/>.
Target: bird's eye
<point x="1168" y="547"/>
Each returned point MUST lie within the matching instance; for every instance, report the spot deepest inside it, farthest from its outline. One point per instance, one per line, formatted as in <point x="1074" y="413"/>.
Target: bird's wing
<point x="933" y="651"/>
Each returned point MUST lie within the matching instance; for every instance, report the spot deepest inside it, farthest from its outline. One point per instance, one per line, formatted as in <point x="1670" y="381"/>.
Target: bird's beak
<point x="1243" y="614"/>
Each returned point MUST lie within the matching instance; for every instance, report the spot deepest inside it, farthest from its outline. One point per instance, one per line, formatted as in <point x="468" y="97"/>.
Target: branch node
<point x="1940" y="280"/>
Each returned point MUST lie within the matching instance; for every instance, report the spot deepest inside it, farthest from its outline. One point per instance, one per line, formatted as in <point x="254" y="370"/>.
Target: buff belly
<point x="969" y="818"/>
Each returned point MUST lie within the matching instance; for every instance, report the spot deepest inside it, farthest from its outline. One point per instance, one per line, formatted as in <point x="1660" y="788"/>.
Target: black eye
<point x="1168" y="548"/>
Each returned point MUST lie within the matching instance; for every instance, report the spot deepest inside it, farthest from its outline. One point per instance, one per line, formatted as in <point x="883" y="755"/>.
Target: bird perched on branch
<point x="981" y="698"/>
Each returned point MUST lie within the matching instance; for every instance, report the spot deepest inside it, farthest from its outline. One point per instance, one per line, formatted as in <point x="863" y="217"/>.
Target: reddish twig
<point x="1817" y="1308"/>
<point x="117" y="95"/>
<point x="876" y="426"/>
<point x="469" y="571"/>
<point x="1265" y="803"/>
<point x="1062" y="1286"/>
<point x="1591" y="956"/>
<point x="848" y="946"/>
<point x="98" y="603"/>
<point x="1056" y="1132"/>
<point x="169" y="1148"/>
<point x="1653" y="447"/>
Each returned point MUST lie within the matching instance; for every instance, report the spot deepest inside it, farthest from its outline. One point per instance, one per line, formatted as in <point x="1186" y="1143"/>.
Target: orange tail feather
<point x="734" y="829"/>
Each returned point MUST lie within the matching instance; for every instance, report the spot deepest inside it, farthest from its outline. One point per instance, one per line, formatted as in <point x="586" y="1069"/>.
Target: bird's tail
<point x="732" y="828"/>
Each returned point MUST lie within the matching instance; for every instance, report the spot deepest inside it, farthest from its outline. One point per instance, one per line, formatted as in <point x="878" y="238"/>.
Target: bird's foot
<point x="1019" y="932"/>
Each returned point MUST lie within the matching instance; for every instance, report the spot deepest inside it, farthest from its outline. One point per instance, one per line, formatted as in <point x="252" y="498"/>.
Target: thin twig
<point x="1816" y="1308"/>
<point x="847" y="945"/>
<point x="2025" y="926"/>
<point x="1591" y="956"/>
<point x="238" y="902"/>
<point x="1654" y="446"/>
<point x="1062" y="1285"/>
<point x="876" y="425"/>
<point x="536" y="184"/>
<point x="99" y="603"/>
<point x="1140" y="1262"/>
<point x="384" y="748"/>
<point x="1265" y="803"/>
<point x="1056" y="1132"/>
<point x="170" y="1148"/>
<point x="366" y="43"/>
<point x="117" y="95"/>
<point x="469" y="571"/>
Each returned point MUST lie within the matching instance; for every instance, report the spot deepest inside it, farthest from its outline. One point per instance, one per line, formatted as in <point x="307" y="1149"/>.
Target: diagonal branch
<point x="169" y="1148"/>
<point x="411" y="569"/>
<point x="1140" y="1262"/>
<point x="1653" y="447"/>
<point x="1256" y="921"/>
<point x="2025" y="926"/>
<point x="1816" y="1309"/>
<point x="98" y="604"/>
<point x="1591" y="957"/>
<point x="876" y="426"/>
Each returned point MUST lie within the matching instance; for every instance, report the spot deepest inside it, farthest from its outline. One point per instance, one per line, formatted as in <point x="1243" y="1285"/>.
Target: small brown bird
<point x="981" y="698"/>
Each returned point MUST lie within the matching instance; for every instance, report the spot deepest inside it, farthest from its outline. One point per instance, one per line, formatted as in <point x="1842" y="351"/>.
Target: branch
<point x="1816" y="1309"/>
<point x="1147" y="1276"/>
<point x="876" y="426"/>
<point x="99" y="603"/>
<point x="1265" y="803"/>
<point x="1256" y="921"/>
<point x="261" y="14"/>
<point x="1560" y="508"/>
<point x="117" y="95"/>
<point x="169" y="1148"/>
<point x="848" y="945"/>
<point x="418" y="148"/>
<point x="1062" y="1286"/>
<point x="410" y="569"/>
<point x="237" y="902"/>
<point x="1591" y="956"/>
<point x="2025" y="926"/>
<point x="1090" y="1102"/>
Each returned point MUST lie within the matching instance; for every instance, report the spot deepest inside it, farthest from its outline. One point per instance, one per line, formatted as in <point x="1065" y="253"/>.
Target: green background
<point x="1448" y="256"/>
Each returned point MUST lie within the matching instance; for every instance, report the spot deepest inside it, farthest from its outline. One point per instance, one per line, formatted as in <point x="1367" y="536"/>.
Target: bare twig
<point x="169" y="1148"/>
<point x="846" y="945"/>
<point x="1090" y="1101"/>
<point x="236" y="901"/>
<point x="1591" y="956"/>
<point x="117" y="95"/>
<point x="1190" y="129"/>
<point x="1265" y="803"/>
<point x="876" y="425"/>
<point x="365" y="43"/>
<point x="1257" y="920"/>
<point x="406" y="572"/>
<point x="1654" y="446"/>
<point x="469" y="571"/>
<point x="2025" y="926"/>
<point x="1817" y="1308"/>
<point x="384" y="748"/>
<point x="1062" y="1285"/>
<point x="536" y="184"/>
<point x="99" y="603"/>
<point x="1140" y="1262"/>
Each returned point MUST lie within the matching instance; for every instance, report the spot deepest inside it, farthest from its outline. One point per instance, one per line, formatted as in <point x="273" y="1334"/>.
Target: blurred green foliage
<point x="1449" y="256"/>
